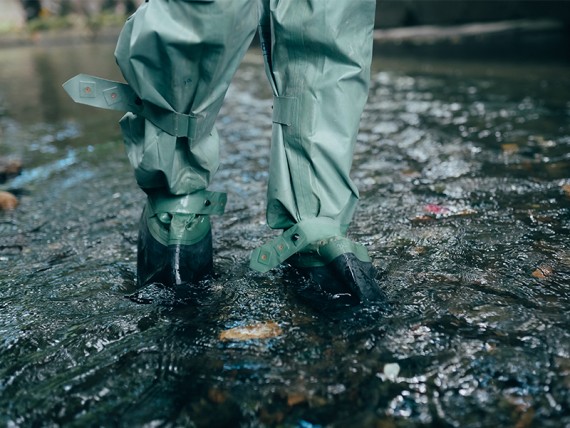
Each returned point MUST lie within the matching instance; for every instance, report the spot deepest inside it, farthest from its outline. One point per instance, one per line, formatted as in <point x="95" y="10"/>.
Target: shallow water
<point x="464" y="171"/>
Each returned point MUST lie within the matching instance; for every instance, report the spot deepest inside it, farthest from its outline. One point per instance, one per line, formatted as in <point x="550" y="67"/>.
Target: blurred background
<point x="488" y="27"/>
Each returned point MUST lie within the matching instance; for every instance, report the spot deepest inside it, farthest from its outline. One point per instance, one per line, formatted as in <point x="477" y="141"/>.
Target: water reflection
<point x="463" y="169"/>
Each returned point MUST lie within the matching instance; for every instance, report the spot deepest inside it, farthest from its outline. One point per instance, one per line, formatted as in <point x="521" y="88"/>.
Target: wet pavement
<point x="464" y="172"/>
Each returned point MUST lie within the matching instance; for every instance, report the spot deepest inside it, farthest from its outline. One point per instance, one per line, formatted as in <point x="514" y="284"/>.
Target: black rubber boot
<point x="339" y="279"/>
<point x="168" y="271"/>
<point x="172" y="264"/>
<point x="346" y="275"/>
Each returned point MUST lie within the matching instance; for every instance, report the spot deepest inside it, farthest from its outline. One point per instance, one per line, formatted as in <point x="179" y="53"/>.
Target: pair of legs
<point x="178" y="57"/>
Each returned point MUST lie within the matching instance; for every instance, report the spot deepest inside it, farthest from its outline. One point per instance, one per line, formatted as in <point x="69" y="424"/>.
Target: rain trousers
<point x="178" y="58"/>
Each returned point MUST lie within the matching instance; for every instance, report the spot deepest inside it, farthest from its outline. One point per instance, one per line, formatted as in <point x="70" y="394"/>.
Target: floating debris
<point x="264" y="330"/>
<point x="437" y="211"/>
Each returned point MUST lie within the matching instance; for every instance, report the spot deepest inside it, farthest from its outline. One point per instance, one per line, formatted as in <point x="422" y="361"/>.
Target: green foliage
<point x="49" y="23"/>
<point x="105" y="20"/>
<point x="73" y="21"/>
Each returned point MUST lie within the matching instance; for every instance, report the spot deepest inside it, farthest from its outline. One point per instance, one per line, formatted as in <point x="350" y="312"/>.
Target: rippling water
<point x="464" y="171"/>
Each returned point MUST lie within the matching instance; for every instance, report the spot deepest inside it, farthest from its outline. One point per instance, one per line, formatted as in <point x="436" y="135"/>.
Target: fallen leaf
<point x="438" y="212"/>
<point x="216" y="396"/>
<point x="465" y="212"/>
<point x="417" y="251"/>
<point x="542" y="272"/>
<point x="566" y="189"/>
<point x="422" y="219"/>
<point x="295" y="398"/>
<point x="436" y="209"/>
<point x="7" y="201"/>
<point x="510" y="148"/>
<point x="264" y="330"/>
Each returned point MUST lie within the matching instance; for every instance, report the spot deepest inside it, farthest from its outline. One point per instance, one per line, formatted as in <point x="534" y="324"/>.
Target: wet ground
<point x="464" y="171"/>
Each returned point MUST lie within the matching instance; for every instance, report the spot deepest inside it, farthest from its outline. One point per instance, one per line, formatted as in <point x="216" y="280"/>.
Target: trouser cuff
<point x="182" y="220"/>
<point x="322" y="237"/>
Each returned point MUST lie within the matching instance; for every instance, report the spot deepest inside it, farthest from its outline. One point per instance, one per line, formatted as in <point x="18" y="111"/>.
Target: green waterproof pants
<point x="180" y="55"/>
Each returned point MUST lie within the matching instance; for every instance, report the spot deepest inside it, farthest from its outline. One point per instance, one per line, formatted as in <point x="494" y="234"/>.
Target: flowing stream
<point x="464" y="173"/>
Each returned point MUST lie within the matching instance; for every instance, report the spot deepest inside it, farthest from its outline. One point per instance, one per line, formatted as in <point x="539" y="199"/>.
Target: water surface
<point x="464" y="175"/>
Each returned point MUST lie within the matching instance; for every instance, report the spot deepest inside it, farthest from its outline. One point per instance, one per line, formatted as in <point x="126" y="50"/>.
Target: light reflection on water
<point x="463" y="169"/>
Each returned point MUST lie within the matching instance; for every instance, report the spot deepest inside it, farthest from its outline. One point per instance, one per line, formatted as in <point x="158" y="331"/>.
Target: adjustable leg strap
<point x="107" y="94"/>
<point x="293" y="240"/>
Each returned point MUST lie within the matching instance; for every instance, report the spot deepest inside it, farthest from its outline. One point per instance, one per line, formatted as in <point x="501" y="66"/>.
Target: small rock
<point x="391" y="371"/>
<point x="9" y="168"/>
<point x="339" y="388"/>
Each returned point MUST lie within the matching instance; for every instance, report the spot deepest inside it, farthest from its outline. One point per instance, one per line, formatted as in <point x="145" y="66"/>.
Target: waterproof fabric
<point x="173" y="262"/>
<point x="179" y="56"/>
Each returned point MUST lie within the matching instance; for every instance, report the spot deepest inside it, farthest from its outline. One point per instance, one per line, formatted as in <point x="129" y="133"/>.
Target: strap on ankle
<point x="202" y="202"/>
<point x="293" y="240"/>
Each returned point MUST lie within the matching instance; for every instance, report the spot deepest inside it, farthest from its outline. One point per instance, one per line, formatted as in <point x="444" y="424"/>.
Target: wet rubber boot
<point x="339" y="270"/>
<point x="317" y="58"/>
<point x="173" y="249"/>
<point x="333" y="266"/>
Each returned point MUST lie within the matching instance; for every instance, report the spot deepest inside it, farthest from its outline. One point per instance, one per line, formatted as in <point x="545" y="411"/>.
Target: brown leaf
<point x="7" y="201"/>
<point x="543" y="272"/>
<point x="510" y="148"/>
<point x="294" y="398"/>
<point x="566" y="189"/>
<point x="417" y="251"/>
<point x="265" y="330"/>
<point x="216" y="396"/>
<point x="422" y="219"/>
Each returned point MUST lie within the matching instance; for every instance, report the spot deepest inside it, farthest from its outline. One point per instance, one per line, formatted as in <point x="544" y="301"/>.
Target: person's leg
<point x="318" y="56"/>
<point x="179" y="56"/>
